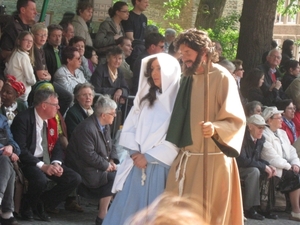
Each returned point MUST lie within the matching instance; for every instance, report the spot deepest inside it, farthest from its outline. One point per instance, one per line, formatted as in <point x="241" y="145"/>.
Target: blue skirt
<point x="134" y="196"/>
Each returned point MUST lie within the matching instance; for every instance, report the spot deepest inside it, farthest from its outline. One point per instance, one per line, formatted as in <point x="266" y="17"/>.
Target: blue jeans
<point x="7" y="184"/>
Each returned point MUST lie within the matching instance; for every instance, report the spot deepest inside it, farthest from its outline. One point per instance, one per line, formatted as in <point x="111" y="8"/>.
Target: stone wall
<point x="233" y="6"/>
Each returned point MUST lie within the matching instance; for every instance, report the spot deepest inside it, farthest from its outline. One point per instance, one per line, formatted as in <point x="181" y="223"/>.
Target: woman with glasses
<point x="21" y="63"/>
<point x="111" y="29"/>
<point x="142" y="175"/>
<point x="40" y="34"/>
<point x="239" y="71"/>
<point x="79" y="43"/>
<point x="288" y="115"/>
<point x="281" y="154"/>
<point x="69" y="74"/>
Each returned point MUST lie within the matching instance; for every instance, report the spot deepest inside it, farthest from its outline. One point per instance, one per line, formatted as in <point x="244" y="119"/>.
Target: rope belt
<point x="143" y="178"/>
<point x="185" y="157"/>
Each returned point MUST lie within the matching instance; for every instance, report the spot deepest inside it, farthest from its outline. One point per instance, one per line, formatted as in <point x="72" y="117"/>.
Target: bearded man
<point x="223" y="132"/>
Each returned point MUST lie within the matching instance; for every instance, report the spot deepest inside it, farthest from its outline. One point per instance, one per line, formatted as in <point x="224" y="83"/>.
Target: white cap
<point x="270" y="111"/>
<point x="257" y="120"/>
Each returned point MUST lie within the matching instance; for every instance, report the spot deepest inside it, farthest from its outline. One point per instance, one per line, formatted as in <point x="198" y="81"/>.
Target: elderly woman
<point x="21" y="62"/>
<point x="111" y="29"/>
<point x="254" y="107"/>
<point x="281" y="154"/>
<point x="69" y="74"/>
<point x="142" y="175"/>
<point x="40" y="34"/>
<point x="79" y="43"/>
<point x="108" y="78"/>
<point x="84" y="13"/>
<point x="288" y="115"/>
<point x="11" y="106"/>
<point x="9" y="151"/>
<point x="92" y="154"/>
<point x="84" y="95"/>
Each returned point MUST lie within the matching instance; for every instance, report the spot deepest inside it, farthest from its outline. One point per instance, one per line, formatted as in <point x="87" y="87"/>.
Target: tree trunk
<point x="208" y="12"/>
<point x="256" y="31"/>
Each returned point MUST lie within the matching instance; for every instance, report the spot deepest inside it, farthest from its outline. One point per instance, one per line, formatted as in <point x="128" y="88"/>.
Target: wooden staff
<point x="205" y="144"/>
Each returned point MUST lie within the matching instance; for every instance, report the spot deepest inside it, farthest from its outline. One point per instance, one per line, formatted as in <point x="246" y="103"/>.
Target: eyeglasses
<point x="87" y="95"/>
<point x="112" y="114"/>
<point x="277" y="118"/>
<point x="161" y="46"/>
<point x="241" y="69"/>
<point x="41" y="35"/>
<point x="28" y="41"/>
<point x="276" y="56"/>
<point x="291" y="108"/>
<point x="53" y="104"/>
<point x="124" y="11"/>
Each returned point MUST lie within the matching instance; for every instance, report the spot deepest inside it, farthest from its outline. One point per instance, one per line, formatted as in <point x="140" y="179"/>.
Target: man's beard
<point x="189" y="71"/>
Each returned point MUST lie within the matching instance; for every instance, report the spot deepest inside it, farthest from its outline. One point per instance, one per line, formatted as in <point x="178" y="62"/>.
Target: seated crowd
<point x="59" y="102"/>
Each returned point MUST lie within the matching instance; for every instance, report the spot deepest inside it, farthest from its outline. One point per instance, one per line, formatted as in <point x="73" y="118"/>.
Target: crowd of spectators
<point x="51" y="79"/>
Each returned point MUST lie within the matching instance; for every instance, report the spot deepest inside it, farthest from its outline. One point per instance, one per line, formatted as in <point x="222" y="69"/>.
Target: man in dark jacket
<point x="251" y="167"/>
<point x="272" y="76"/>
<point x="41" y="162"/>
<point x="91" y="153"/>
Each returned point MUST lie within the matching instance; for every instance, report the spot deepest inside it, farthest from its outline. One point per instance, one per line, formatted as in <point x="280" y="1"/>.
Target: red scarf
<point x="52" y="134"/>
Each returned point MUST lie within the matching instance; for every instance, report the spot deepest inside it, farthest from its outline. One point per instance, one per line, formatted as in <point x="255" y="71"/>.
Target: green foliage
<point x="160" y="29"/>
<point x="226" y="32"/>
<point x="291" y="9"/>
<point x="173" y="8"/>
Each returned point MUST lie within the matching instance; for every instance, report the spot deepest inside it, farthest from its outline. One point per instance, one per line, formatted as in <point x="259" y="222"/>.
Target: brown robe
<point x="223" y="183"/>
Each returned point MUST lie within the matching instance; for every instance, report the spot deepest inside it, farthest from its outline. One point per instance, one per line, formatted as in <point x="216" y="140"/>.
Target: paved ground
<point x="89" y="215"/>
<point x="88" y="218"/>
<point x="283" y="220"/>
<point x="64" y="217"/>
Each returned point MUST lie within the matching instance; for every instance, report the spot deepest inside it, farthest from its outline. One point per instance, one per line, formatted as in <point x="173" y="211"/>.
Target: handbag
<point x="290" y="181"/>
<point x="267" y="193"/>
<point x="20" y="186"/>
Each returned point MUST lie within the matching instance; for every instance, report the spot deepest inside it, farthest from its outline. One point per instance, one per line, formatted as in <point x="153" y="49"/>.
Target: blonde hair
<point x="37" y="27"/>
<point x="169" y="209"/>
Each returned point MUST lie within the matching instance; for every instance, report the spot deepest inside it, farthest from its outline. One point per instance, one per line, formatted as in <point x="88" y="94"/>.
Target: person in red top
<point x="288" y="115"/>
<point x="296" y="118"/>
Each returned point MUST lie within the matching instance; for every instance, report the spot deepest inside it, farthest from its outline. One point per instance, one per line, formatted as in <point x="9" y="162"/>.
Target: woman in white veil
<point x="142" y="175"/>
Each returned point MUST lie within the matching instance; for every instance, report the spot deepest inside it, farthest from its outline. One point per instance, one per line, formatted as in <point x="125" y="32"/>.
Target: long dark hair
<point x="151" y="96"/>
<point x="252" y="81"/>
<point x="286" y="48"/>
